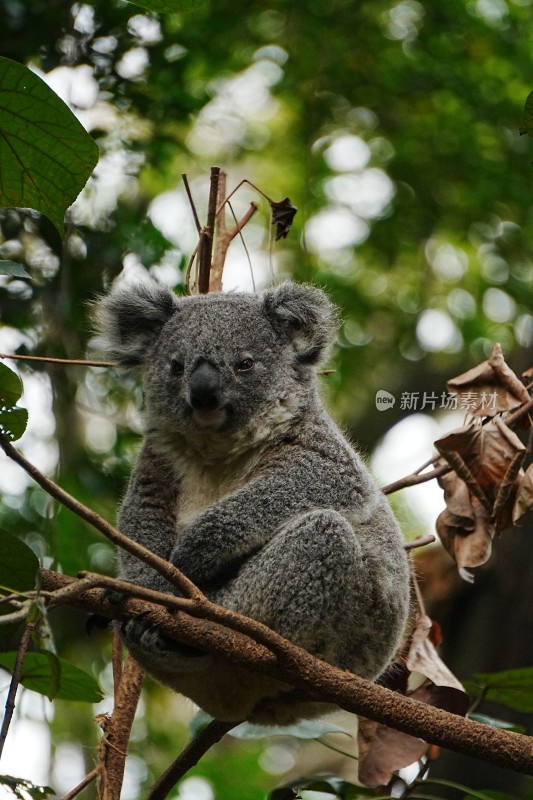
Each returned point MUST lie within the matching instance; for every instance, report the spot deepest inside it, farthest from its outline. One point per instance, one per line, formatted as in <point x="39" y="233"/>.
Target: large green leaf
<point x="168" y="6"/>
<point x="18" y="565"/>
<point x="13" y="420"/>
<point x="54" y="677"/>
<point x="46" y="156"/>
<point x="512" y="688"/>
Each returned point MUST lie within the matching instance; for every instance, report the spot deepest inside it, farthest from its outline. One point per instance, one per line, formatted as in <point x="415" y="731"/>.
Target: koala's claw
<point x="112" y="597"/>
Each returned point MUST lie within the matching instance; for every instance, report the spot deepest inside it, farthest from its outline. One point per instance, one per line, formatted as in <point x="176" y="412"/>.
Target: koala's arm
<point x="242" y="523"/>
<point x="148" y="516"/>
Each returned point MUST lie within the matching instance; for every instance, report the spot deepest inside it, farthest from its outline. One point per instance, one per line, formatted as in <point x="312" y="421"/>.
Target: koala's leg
<point x="312" y="584"/>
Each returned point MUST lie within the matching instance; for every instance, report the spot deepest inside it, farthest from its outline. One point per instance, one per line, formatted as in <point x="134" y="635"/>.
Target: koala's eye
<point x="244" y="365"/>
<point x="176" y="367"/>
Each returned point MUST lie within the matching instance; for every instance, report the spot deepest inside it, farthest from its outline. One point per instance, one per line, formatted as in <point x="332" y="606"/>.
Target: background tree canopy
<point x="393" y="126"/>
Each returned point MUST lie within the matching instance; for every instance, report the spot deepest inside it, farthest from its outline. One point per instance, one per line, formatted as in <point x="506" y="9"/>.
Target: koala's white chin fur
<point x="210" y="419"/>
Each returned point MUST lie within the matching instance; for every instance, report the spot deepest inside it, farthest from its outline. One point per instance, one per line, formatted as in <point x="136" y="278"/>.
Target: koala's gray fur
<point x="247" y="486"/>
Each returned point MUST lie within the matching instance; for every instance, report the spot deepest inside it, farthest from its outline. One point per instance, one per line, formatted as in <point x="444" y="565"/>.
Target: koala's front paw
<point x="141" y="633"/>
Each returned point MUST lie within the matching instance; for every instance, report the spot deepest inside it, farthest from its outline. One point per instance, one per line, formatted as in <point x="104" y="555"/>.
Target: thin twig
<point x="190" y="756"/>
<point x="89" y="778"/>
<point x="238" y="229"/>
<point x="415" y="478"/>
<point x="245" y="180"/>
<point x="48" y="360"/>
<point x="421" y="542"/>
<point x="15" y="680"/>
<point x="163" y="567"/>
<point x="191" y="201"/>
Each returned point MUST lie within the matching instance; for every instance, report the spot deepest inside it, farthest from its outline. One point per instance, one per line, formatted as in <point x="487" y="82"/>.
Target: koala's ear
<point x="303" y="315"/>
<point x="129" y="319"/>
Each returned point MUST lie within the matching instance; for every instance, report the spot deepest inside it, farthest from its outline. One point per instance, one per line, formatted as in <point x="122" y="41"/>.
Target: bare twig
<point x="206" y="235"/>
<point x="15" y="680"/>
<point x="190" y="756"/>
<point x="415" y="478"/>
<point x="225" y="237"/>
<point x="421" y="542"/>
<point x="89" y="778"/>
<point x="79" y="362"/>
<point x="191" y="201"/>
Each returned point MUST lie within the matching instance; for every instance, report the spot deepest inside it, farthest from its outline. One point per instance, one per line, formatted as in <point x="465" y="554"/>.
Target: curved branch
<point x="321" y="680"/>
<point x="190" y="756"/>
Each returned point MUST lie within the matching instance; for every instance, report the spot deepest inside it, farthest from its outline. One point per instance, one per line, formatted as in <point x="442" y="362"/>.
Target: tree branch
<point x="189" y="757"/>
<point x="321" y="681"/>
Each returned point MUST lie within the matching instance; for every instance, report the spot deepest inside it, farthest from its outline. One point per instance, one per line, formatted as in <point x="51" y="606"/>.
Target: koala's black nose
<point x="204" y="388"/>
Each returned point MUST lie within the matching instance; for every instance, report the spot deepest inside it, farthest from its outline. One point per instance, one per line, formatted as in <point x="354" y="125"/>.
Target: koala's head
<point x="228" y="363"/>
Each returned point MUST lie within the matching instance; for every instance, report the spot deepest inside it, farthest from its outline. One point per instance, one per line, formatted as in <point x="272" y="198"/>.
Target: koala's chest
<point x="202" y="486"/>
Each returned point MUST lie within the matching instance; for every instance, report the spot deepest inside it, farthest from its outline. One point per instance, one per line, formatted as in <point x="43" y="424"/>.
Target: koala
<point x="246" y="485"/>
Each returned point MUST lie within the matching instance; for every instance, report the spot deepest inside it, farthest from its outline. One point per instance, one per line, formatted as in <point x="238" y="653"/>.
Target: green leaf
<point x="13" y="270"/>
<point x="21" y="788"/>
<point x="10" y="387"/>
<point x="168" y="6"/>
<point x="18" y="565"/>
<point x="46" y="154"/>
<point x="526" y="126"/>
<point x="512" y="688"/>
<point x="54" y="677"/>
<point x="13" y="420"/>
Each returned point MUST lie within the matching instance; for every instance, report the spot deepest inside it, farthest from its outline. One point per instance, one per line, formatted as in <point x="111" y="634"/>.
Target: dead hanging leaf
<point x="524" y="496"/>
<point x="456" y="701"/>
<point x="383" y="750"/>
<point x="489" y="388"/>
<point x="423" y="657"/>
<point x="282" y="215"/>
<point x="487" y="458"/>
<point x="457" y="499"/>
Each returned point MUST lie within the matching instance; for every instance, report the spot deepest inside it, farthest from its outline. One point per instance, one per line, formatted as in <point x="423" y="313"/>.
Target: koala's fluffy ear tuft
<point x="305" y="316"/>
<point x="129" y="320"/>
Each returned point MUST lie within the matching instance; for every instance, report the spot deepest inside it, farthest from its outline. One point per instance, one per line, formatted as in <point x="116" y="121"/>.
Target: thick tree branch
<point x="320" y="680"/>
<point x="117" y="729"/>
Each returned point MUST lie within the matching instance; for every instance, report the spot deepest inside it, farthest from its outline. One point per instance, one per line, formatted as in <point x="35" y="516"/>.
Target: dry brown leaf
<point x="386" y="750"/>
<point x="383" y="750"/>
<point x="423" y="657"/>
<point x="457" y="499"/>
<point x="446" y="697"/>
<point x="476" y="548"/>
<point x="524" y="496"/>
<point x="489" y="388"/>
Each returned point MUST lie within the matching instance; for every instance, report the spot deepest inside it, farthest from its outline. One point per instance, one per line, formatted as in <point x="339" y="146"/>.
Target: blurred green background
<point x="393" y="126"/>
